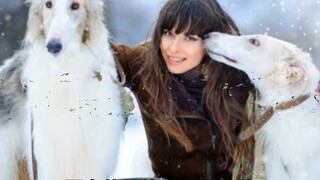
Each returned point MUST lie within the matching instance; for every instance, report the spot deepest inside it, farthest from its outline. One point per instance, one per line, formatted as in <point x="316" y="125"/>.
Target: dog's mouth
<point x="225" y="57"/>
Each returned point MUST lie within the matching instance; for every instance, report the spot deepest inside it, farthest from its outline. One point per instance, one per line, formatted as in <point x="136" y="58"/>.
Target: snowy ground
<point x="133" y="160"/>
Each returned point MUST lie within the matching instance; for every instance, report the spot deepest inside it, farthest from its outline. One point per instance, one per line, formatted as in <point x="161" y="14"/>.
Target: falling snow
<point x="296" y="21"/>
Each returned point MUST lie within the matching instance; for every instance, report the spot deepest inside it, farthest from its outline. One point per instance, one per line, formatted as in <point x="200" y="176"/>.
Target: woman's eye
<point x="49" y="4"/>
<point x="191" y="38"/>
<point x="167" y="33"/>
<point x="254" y="42"/>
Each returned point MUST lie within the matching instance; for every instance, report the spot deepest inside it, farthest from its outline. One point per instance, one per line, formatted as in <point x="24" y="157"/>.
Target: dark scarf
<point x="194" y="82"/>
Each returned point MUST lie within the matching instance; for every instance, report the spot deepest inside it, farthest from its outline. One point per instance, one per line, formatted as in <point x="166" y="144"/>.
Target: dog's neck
<point x="277" y="95"/>
<point x="267" y="115"/>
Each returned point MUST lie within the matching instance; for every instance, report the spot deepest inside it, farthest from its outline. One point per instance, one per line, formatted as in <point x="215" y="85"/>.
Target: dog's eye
<point x="254" y="42"/>
<point x="75" y="6"/>
<point x="49" y="4"/>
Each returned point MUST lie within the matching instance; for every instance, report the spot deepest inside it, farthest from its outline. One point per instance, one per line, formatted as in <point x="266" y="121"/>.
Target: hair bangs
<point x="175" y="19"/>
<point x="190" y="18"/>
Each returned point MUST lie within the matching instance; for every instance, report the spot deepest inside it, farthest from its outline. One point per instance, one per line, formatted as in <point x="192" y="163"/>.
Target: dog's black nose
<point x="54" y="47"/>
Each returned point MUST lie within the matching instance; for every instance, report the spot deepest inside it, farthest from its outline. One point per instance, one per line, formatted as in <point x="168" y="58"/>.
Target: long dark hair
<point x="196" y="17"/>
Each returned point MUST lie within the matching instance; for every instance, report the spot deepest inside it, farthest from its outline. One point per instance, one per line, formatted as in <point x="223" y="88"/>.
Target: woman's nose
<point x="174" y="46"/>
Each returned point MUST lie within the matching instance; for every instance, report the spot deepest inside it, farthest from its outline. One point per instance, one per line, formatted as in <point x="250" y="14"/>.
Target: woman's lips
<point x="175" y="59"/>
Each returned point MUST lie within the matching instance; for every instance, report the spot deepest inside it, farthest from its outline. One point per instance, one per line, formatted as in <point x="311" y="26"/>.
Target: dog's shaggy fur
<point x="281" y="72"/>
<point x="59" y="100"/>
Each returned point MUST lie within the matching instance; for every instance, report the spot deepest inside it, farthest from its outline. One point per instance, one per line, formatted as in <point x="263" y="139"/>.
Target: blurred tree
<point x="13" y="19"/>
<point x="130" y="22"/>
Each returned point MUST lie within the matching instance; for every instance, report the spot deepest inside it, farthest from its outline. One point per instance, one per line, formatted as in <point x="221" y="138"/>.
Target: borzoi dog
<point x="287" y="80"/>
<point x="60" y="101"/>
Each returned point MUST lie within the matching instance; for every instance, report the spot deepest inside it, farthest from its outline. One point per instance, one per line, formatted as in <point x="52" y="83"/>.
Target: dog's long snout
<point x="211" y="35"/>
<point x="209" y="40"/>
<point x="206" y="36"/>
<point x="54" y="47"/>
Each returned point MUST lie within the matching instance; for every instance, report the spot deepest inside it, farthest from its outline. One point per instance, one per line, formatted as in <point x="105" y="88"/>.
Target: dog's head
<point x="272" y="64"/>
<point x="63" y="23"/>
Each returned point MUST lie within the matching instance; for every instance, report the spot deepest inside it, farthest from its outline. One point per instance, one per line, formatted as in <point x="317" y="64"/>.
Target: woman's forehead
<point x="179" y="27"/>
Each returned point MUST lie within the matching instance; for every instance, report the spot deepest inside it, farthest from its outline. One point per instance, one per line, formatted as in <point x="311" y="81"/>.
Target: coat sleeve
<point x="131" y="59"/>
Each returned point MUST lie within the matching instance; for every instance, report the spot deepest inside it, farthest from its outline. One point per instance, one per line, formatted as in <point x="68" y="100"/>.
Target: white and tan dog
<point x="60" y="102"/>
<point x="287" y="80"/>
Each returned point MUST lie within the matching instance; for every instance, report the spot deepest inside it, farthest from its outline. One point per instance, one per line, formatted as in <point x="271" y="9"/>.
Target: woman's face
<point x="180" y="52"/>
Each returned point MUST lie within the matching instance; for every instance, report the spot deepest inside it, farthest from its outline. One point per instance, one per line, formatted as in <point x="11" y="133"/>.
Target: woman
<point x="192" y="107"/>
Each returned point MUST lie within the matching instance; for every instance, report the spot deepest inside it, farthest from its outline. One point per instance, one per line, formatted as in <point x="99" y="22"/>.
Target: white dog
<point x="287" y="80"/>
<point x="59" y="99"/>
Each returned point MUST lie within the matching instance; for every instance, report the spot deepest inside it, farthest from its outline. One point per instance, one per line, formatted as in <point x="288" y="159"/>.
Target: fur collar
<point x="192" y="82"/>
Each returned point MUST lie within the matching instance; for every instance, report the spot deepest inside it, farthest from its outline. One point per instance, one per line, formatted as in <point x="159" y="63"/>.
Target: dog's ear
<point x="35" y="21"/>
<point x="86" y="34"/>
<point x="94" y="27"/>
<point x="295" y="76"/>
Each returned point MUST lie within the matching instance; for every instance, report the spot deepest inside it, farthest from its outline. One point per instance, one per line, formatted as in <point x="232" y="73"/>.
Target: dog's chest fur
<point x="292" y="141"/>
<point x="72" y="112"/>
